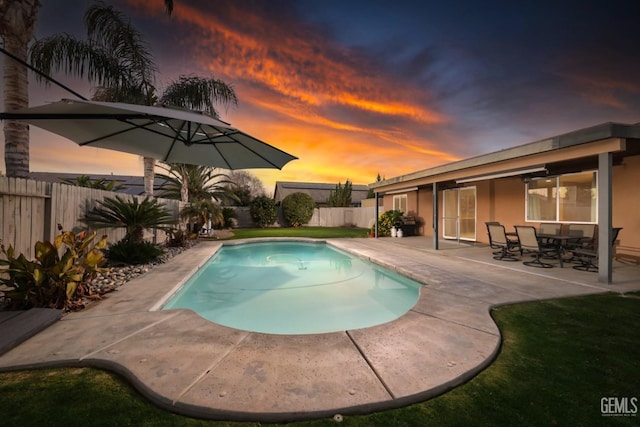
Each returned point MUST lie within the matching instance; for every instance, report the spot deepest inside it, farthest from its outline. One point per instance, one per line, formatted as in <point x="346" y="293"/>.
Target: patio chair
<point x="553" y="228"/>
<point x="549" y="228"/>
<point x="588" y="258"/>
<point x="491" y="244"/>
<point x="529" y="242"/>
<point x="583" y="236"/>
<point x="498" y="238"/>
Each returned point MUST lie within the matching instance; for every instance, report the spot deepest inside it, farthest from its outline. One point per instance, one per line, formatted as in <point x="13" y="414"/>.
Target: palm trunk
<point x="184" y="188"/>
<point x="17" y="24"/>
<point x="149" y="175"/>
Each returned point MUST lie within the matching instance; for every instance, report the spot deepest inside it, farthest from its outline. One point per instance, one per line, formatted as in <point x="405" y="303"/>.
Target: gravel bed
<point x="113" y="277"/>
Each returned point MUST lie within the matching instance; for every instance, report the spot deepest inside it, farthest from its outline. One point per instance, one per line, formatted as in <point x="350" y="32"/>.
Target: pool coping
<point x="190" y="366"/>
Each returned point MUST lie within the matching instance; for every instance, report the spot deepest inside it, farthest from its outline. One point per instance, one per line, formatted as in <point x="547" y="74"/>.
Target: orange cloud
<point x="301" y="92"/>
<point x="290" y="60"/>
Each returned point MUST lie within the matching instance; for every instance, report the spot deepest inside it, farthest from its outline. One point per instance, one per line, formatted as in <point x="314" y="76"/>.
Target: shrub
<point x="387" y="220"/>
<point x="229" y="215"/>
<point x="297" y="208"/>
<point x="128" y="252"/>
<point x="263" y="211"/>
<point x="52" y="280"/>
<point x="177" y="238"/>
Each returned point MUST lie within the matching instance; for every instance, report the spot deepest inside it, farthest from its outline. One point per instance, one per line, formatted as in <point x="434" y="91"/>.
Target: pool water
<point x="294" y="288"/>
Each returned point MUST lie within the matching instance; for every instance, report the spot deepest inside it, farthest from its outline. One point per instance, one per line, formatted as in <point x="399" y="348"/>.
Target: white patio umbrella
<point x="164" y="133"/>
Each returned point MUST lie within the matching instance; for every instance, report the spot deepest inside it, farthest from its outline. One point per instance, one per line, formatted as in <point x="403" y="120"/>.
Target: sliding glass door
<point x="459" y="213"/>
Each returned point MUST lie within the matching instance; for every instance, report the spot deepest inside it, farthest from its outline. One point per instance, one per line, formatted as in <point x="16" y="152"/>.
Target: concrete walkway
<point x="190" y="366"/>
<point x="18" y="326"/>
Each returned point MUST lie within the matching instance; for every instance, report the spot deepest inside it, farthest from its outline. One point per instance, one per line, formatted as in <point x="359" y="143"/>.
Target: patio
<point x="187" y="365"/>
<point x="626" y="275"/>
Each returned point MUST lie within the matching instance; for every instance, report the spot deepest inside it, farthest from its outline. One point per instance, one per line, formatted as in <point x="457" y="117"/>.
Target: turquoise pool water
<point x="294" y="288"/>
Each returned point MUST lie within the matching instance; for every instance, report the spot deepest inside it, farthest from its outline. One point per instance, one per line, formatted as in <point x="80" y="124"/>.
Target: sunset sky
<point x="356" y="88"/>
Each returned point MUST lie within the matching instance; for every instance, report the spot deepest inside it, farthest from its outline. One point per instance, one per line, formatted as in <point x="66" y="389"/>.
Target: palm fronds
<point x="203" y="182"/>
<point x="114" y="56"/>
<point x="199" y="93"/>
<point x="133" y="215"/>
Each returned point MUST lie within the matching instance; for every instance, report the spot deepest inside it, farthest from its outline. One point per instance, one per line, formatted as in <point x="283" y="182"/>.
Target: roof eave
<point x="581" y="136"/>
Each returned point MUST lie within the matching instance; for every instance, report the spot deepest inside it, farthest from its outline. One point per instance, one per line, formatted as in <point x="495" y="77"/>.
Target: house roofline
<point x="570" y="139"/>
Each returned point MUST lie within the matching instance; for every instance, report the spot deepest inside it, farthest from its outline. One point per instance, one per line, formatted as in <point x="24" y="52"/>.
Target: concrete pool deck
<point x="190" y="366"/>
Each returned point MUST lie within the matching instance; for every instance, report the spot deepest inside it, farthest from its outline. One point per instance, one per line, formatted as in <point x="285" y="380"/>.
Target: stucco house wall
<point x="626" y="204"/>
<point x="424" y="211"/>
<point x="503" y="200"/>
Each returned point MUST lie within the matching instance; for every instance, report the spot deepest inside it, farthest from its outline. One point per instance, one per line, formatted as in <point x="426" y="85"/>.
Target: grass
<point x="314" y="232"/>
<point x="558" y="360"/>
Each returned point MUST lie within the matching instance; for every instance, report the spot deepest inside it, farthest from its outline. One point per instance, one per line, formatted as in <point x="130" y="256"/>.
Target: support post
<point x="436" y="222"/>
<point x="377" y="210"/>
<point x="605" y="247"/>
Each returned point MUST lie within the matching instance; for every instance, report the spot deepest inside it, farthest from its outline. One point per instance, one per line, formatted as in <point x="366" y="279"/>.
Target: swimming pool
<point x="286" y="287"/>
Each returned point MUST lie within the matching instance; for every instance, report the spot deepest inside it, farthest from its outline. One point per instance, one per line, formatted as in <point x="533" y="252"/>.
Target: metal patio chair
<point x="583" y="236"/>
<point x="588" y="258"/>
<point x="529" y="242"/>
<point x="491" y="244"/>
<point x="498" y="237"/>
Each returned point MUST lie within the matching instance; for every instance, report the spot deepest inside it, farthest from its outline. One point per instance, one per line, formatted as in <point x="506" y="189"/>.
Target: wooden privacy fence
<point x="30" y="211"/>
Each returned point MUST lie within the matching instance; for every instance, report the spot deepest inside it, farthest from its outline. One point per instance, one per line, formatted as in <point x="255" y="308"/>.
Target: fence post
<point x="47" y="230"/>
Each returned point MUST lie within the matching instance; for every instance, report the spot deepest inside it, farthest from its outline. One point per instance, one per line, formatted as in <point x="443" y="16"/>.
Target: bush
<point x="177" y="238"/>
<point x="133" y="253"/>
<point x="52" y="280"/>
<point x="229" y="215"/>
<point x="263" y="211"/>
<point x="297" y="208"/>
<point x="387" y="220"/>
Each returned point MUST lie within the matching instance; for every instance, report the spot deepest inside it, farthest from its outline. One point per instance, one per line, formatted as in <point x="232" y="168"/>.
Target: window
<point x="400" y="203"/>
<point x="565" y="198"/>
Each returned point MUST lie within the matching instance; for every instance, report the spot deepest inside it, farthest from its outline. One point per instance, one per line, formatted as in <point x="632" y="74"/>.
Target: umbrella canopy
<point x="168" y="134"/>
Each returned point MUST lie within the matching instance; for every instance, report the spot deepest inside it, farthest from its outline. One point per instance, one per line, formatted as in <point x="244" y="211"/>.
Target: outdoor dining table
<point x="560" y="241"/>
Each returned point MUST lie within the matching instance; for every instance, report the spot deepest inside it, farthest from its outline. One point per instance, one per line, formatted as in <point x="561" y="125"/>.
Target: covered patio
<point x="581" y="177"/>
<point x="625" y="269"/>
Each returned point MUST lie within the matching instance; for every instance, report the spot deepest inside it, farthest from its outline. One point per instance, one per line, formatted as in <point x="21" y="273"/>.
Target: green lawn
<point x="558" y="360"/>
<point x="314" y="232"/>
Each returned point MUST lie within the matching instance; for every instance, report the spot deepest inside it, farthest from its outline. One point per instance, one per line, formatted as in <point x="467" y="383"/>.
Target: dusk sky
<point x="357" y="88"/>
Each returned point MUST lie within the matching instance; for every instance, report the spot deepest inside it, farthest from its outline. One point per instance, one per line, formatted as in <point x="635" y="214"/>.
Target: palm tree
<point x="17" y="26"/>
<point x="203" y="211"/>
<point x="116" y="59"/>
<point x="133" y="215"/>
<point x="190" y="183"/>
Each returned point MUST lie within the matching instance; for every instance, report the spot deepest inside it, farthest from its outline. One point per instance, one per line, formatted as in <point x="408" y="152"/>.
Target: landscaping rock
<point x="112" y="278"/>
